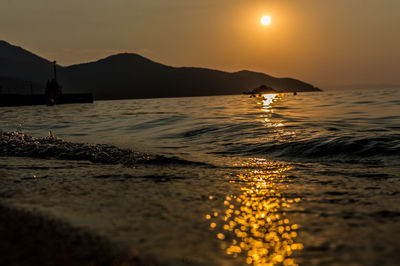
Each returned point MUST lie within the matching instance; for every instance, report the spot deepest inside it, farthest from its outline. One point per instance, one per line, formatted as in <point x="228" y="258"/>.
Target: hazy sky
<point x="324" y="42"/>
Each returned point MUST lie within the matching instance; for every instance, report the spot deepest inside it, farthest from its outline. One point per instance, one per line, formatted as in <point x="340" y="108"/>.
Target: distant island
<point x="127" y="76"/>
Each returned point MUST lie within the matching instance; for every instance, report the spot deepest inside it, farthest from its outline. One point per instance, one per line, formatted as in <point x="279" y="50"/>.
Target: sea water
<point x="309" y="179"/>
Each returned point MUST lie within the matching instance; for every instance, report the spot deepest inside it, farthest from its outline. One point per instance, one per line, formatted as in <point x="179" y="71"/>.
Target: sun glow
<point x="266" y="20"/>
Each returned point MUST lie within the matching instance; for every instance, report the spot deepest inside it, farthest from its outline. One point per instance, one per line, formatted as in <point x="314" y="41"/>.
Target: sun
<point x="266" y="20"/>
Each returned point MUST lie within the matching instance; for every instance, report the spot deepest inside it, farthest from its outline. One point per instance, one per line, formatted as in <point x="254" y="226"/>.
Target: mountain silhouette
<point x="124" y="76"/>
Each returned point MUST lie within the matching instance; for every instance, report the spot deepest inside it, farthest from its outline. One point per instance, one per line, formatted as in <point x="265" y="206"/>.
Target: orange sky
<point x="324" y="42"/>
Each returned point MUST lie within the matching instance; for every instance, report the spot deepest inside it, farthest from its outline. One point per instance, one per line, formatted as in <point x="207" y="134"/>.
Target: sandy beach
<point x="28" y="238"/>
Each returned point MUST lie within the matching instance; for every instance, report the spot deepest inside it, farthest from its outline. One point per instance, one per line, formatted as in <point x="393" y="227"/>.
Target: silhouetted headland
<point x="125" y="76"/>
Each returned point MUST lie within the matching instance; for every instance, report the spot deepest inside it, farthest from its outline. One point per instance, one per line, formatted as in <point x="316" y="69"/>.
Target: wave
<point x="51" y="147"/>
<point x="340" y="149"/>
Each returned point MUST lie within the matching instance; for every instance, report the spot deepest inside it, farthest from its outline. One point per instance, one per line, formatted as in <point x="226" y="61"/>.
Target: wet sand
<point x="28" y="238"/>
<point x="101" y="214"/>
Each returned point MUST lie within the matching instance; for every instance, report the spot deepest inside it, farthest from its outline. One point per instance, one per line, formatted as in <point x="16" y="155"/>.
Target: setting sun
<point x="266" y="20"/>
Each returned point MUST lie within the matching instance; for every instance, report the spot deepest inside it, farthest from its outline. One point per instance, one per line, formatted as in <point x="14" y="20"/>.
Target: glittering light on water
<point x="255" y="224"/>
<point x="268" y="99"/>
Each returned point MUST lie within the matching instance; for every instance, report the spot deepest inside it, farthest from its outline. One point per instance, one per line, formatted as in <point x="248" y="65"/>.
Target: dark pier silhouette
<point x="53" y="95"/>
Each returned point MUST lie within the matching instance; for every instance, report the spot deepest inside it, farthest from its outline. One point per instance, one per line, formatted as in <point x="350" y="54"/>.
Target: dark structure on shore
<point x="53" y="95"/>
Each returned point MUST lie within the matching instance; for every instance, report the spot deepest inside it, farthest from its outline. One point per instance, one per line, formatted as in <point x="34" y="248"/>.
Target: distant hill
<point x="18" y="63"/>
<point x="133" y="76"/>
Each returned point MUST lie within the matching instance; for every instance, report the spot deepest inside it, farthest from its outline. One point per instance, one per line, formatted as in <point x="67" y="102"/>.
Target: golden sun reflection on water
<point x="255" y="224"/>
<point x="266" y="106"/>
<point x="268" y="99"/>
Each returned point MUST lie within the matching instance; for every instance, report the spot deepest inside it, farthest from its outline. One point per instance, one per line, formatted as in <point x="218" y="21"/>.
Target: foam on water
<point x="50" y="147"/>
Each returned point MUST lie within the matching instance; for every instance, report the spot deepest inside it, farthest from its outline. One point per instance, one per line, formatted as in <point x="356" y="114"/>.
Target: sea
<point x="282" y="179"/>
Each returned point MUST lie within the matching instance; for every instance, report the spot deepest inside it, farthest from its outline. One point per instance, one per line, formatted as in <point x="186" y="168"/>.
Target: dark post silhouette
<point x="55" y="71"/>
<point x="53" y="89"/>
